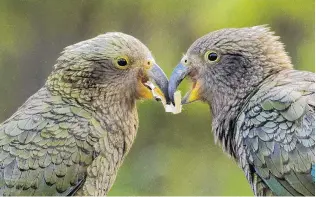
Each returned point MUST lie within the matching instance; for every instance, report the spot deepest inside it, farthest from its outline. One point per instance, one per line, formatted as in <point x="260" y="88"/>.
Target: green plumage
<point x="73" y="134"/>
<point x="42" y="152"/>
<point x="277" y="128"/>
<point x="263" y="111"/>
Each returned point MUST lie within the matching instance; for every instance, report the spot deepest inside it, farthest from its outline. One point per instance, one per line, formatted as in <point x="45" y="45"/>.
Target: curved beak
<point x="156" y="75"/>
<point x="178" y="74"/>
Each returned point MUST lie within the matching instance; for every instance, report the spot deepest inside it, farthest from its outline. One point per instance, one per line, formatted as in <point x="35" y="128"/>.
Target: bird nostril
<point x="157" y="99"/>
<point x="148" y="64"/>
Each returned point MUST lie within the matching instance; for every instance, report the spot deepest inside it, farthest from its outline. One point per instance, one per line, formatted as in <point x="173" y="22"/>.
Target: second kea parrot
<point x="72" y="135"/>
<point x="263" y="110"/>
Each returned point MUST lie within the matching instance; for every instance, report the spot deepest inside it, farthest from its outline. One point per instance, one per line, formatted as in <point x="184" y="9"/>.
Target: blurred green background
<point x="172" y="154"/>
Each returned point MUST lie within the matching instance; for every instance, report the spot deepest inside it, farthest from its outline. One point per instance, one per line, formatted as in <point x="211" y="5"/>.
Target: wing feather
<point x="277" y="128"/>
<point x="41" y="150"/>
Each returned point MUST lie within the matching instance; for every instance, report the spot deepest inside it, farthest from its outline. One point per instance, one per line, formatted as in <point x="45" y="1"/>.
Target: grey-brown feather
<point x="275" y="131"/>
<point x="51" y="144"/>
<point x="73" y="134"/>
<point x="42" y="144"/>
<point x="253" y="72"/>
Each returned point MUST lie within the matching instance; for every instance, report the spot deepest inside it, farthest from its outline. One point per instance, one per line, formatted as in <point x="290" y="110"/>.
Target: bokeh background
<point x="172" y="154"/>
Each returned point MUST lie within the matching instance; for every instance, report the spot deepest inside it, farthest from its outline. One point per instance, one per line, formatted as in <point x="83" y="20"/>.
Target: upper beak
<point x="156" y="74"/>
<point x="178" y="74"/>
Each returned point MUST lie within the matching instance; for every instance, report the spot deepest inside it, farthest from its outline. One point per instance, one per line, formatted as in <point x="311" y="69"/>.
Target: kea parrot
<point x="72" y="135"/>
<point x="262" y="108"/>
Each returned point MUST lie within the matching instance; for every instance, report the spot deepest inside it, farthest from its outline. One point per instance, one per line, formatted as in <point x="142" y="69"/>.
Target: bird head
<point x="229" y="62"/>
<point x="109" y="67"/>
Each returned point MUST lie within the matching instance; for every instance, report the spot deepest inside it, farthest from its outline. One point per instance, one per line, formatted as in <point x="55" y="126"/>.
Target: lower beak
<point x="193" y="94"/>
<point x="178" y="74"/>
<point x="156" y="75"/>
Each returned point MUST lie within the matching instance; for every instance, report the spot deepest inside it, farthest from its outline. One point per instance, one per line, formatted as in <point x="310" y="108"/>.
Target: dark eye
<point x="122" y="62"/>
<point x="212" y="56"/>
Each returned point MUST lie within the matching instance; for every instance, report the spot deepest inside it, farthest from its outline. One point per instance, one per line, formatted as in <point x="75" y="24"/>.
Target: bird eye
<point x="121" y="62"/>
<point x="211" y="56"/>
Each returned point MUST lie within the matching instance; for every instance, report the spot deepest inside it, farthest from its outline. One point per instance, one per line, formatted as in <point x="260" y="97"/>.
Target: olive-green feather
<point x="277" y="127"/>
<point x="71" y="136"/>
<point x="41" y="154"/>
